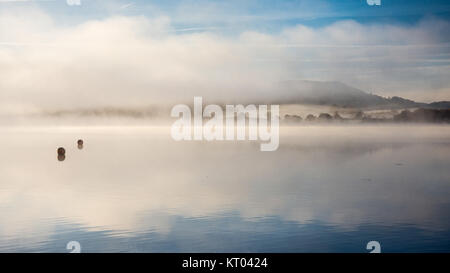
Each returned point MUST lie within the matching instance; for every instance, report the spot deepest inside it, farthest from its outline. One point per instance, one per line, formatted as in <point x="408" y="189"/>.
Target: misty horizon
<point x="127" y="59"/>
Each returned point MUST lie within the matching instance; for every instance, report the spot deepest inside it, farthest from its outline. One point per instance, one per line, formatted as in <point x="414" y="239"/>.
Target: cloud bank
<point x="136" y="60"/>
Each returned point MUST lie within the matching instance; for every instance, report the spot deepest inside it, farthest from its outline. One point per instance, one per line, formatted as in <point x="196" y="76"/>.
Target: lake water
<point x="134" y="189"/>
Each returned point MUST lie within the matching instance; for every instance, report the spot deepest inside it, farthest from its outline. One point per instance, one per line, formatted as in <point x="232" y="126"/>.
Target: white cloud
<point x="140" y="61"/>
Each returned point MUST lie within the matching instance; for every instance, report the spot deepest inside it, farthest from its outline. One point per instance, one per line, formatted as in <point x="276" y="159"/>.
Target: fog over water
<point x="133" y="188"/>
<point x="108" y="73"/>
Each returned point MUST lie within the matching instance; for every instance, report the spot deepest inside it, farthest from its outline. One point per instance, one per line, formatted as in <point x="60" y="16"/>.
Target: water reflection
<point x="323" y="187"/>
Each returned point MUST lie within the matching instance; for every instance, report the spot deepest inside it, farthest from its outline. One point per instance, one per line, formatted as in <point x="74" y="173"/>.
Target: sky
<point x="84" y="53"/>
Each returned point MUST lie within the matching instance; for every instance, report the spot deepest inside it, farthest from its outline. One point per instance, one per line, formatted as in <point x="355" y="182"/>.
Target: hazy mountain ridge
<point x="342" y="95"/>
<point x="302" y="92"/>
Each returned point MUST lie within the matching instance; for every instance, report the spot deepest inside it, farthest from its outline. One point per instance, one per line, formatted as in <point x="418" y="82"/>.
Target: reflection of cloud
<point x="125" y="173"/>
<point x="136" y="60"/>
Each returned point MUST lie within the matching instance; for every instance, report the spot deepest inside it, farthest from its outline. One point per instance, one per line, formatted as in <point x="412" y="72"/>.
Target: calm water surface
<point x="134" y="189"/>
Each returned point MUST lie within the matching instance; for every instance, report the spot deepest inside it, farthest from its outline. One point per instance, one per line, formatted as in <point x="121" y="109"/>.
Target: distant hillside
<point x="342" y="95"/>
<point x="439" y="105"/>
<point x="424" y="115"/>
<point x="289" y="92"/>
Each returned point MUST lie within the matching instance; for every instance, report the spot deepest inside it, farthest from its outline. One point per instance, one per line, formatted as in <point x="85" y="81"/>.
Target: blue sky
<point x="130" y="52"/>
<point x="235" y="15"/>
